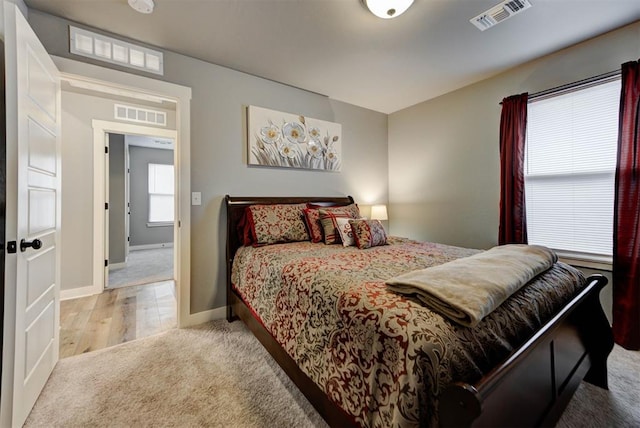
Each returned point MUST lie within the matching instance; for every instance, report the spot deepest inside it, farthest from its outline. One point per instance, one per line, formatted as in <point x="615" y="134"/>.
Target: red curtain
<point x="513" y="128"/>
<point x="626" y="221"/>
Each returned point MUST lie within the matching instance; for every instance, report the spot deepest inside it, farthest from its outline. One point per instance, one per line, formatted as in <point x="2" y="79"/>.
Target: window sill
<point x="161" y="224"/>
<point x="589" y="261"/>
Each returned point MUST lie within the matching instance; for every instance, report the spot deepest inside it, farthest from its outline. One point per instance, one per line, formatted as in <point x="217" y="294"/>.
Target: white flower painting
<point x="288" y="140"/>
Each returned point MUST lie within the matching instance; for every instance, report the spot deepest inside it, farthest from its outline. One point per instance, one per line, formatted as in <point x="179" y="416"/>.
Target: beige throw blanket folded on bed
<point x="468" y="289"/>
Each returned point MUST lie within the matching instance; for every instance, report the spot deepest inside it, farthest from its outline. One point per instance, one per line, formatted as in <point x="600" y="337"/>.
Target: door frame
<point x="101" y="129"/>
<point x="115" y="82"/>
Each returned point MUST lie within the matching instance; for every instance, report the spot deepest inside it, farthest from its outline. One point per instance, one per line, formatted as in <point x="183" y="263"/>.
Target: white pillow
<point x="346" y="234"/>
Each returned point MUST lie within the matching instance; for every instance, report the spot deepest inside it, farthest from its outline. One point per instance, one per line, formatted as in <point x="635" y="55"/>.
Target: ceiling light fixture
<point x="142" y="6"/>
<point x="386" y="9"/>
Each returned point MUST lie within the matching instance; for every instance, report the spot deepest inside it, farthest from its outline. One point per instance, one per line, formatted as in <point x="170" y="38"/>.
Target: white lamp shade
<point x="387" y="9"/>
<point x="379" y="212"/>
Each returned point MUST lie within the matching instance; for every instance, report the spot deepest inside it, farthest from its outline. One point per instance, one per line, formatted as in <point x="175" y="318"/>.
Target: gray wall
<point x="117" y="200"/>
<point x="606" y="296"/>
<point x="77" y="195"/>
<point x="218" y="150"/>
<point x="444" y="153"/>
<point x="140" y="233"/>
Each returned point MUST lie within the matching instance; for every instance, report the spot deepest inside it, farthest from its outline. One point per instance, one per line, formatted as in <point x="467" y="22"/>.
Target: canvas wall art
<point x="279" y="139"/>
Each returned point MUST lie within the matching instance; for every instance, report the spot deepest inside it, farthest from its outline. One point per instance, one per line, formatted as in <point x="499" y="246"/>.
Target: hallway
<point x="143" y="267"/>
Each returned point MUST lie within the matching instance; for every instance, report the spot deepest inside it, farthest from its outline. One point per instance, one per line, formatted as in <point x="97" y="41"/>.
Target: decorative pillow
<point x="346" y="234"/>
<point x="368" y="233"/>
<point x="329" y="221"/>
<point x="312" y="218"/>
<point x="351" y="209"/>
<point x="271" y="224"/>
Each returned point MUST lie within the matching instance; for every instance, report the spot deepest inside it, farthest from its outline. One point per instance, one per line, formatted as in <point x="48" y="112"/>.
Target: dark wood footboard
<point x="534" y="385"/>
<point x="530" y="388"/>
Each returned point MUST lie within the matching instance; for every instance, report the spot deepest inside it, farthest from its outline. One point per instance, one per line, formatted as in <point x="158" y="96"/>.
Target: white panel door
<point x="32" y="296"/>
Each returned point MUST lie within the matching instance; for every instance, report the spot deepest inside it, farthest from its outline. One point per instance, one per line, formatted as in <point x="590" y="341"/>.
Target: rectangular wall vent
<point x="499" y="13"/>
<point x="108" y="49"/>
<point x="140" y="115"/>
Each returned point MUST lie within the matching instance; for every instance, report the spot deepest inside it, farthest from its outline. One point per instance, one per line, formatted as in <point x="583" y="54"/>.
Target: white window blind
<point x="161" y="193"/>
<point x="570" y="162"/>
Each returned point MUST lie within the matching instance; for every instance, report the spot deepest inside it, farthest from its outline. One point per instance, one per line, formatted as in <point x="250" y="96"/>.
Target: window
<point x="114" y="51"/>
<point x="161" y="190"/>
<point x="570" y="163"/>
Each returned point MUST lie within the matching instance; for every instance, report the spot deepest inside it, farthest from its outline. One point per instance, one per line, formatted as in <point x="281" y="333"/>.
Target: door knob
<point x="36" y="244"/>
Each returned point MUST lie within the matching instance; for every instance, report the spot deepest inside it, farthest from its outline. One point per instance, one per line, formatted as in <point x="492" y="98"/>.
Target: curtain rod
<point x="571" y="86"/>
<point x="574" y="85"/>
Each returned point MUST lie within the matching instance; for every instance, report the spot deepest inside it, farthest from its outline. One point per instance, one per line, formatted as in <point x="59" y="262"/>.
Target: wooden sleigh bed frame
<point x="531" y="387"/>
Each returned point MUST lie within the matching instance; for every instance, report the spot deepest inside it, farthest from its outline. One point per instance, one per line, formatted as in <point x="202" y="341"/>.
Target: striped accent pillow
<point x="312" y="218"/>
<point x="329" y="222"/>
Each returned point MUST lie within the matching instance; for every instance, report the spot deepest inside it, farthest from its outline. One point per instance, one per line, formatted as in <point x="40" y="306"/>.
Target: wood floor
<point x="116" y="316"/>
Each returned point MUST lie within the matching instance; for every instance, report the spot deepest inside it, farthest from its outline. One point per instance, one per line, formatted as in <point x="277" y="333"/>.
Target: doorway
<point x="146" y="90"/>
<point x="113" y="310"/>
<point x="141" y="189"/>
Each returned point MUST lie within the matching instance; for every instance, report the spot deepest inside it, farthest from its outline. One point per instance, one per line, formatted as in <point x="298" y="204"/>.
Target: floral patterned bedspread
<point x="381" y="356"/>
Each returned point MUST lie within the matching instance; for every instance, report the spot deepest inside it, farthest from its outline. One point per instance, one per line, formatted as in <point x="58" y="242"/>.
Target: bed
<point x="325" y="324"/>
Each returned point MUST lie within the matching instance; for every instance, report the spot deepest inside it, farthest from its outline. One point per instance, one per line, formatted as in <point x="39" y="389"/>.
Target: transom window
<point x="570" y="163"/>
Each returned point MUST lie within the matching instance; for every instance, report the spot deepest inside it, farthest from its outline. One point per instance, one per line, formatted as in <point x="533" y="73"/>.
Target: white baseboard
<point x="74" y="293"/>
<point x="206" y="316"/>
<point x="117" y="265"/>
<point x="150" y="246"/>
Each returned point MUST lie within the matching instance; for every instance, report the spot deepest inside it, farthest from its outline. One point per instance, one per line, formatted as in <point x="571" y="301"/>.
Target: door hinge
<point x="12" y="247"/>
<point x="106" y="205"/>
<point x="128" y="238"/>
<point x="106" y="150"/>
<point x="106" y="263"/>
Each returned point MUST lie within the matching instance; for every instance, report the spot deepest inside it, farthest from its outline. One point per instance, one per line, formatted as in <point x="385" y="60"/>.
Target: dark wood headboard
<point x="236" y="206"/>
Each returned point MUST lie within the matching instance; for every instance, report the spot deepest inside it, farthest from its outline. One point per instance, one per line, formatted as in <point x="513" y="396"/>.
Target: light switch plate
<point x="196" y="198"/>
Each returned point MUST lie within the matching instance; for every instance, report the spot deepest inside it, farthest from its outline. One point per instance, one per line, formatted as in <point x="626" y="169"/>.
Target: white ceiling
<point x="339" y="49"/>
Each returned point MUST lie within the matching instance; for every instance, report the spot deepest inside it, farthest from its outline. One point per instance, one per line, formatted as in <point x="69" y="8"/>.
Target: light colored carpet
<point x="218" y="375"/>
<point x="618" y="407"/>
<point x="143" y="267"/>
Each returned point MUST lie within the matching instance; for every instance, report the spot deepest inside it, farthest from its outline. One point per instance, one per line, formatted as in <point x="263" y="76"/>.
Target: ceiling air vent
<point x="499" y="13"/>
